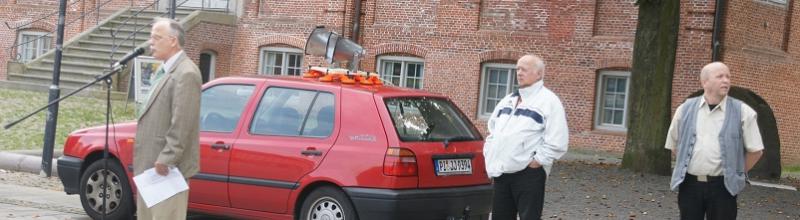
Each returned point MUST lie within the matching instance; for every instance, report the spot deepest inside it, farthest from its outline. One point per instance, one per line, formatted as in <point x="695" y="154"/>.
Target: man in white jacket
<point x="527" y="133"/>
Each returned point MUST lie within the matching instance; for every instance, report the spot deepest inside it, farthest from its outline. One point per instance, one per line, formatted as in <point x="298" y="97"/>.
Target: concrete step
<point x="126" y="39"/>
<point x="150" y="13"/>
<point x="106" y="45"/>
<point x="64" y="81"/>
<point x="131" y="19"/>
<point x="93" y="91"/>
<point x="105" y="52"/>
<point x="100" y="59"/>
<point x="131" y="22"/>
<point x="124" y="31"/>
<point x="84" y="74"/>
<point x="139" y="36"/>
<point x="76" y="63"/>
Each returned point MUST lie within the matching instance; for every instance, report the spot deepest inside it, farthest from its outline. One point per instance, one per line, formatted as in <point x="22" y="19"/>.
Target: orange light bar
<point x="343" y="76"/>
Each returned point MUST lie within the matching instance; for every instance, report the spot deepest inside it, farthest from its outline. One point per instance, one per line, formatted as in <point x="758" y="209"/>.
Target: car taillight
<point x="399" y="162"/>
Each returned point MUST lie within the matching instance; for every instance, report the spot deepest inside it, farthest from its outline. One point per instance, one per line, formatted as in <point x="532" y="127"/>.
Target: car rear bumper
<point x="69" y="170"/>
<point x="472" y="202"/>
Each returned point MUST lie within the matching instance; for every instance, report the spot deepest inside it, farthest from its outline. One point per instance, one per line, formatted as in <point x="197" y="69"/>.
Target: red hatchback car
<point x="297" y="148"/>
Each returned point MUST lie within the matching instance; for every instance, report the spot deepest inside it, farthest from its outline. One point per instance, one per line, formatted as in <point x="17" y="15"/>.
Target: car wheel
<point x="327" y="203"/>
<point x="119" y="197"/>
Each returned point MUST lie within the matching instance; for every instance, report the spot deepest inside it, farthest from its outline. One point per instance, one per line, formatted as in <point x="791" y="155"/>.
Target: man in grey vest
<point x="715" y="140"/>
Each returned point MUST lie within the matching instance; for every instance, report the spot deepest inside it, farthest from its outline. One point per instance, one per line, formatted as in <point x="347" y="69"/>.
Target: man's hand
<point x="161" y="169"/>
<point x="534" y="164"/>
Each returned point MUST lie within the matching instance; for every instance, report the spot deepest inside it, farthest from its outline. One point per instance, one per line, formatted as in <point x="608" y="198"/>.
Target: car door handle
<point x="220" y="146"/>
<point x="311" y="152"/>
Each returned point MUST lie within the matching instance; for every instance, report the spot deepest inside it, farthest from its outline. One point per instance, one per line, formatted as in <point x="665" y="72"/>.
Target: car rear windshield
<point x="429" y="119"/>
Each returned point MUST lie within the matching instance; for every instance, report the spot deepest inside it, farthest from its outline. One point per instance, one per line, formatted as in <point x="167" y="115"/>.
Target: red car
<point x="297" y="148"/>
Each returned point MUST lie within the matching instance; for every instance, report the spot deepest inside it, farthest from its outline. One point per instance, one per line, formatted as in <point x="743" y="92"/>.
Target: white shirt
<point x="171" y="61"/>
<point x="536" y="129"/>
<point x="706" y="157"/>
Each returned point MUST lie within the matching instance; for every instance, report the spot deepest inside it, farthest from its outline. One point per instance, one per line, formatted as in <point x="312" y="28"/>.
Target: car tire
<point x="327" y="202"/>
<point x="119" y="199"/>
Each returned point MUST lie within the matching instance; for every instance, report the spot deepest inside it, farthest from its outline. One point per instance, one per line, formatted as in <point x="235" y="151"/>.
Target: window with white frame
<point x="402" y="71"/>
<point x="780" y="2"/>
<point x="33" y="44"/>
<point x="280" y="61"/>
<point x="497" y="81"/>
<point x="613" y="88"/>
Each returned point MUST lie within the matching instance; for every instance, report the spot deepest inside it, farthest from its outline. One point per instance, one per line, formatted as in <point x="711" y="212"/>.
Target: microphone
<point x="135" y="53"/>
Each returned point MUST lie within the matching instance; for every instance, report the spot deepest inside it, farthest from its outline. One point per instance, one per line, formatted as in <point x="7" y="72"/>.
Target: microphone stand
<point x="107" y="78"/>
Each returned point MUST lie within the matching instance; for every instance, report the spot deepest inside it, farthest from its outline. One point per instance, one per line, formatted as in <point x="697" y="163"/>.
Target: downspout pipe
<point x="356" y="20"/>
<point x="716" y="44"/>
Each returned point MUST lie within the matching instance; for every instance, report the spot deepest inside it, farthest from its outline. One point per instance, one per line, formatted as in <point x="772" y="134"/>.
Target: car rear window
<point x="429" y="119"/>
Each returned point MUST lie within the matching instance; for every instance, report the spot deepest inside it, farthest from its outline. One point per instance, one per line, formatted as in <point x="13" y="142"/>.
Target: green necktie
<point x="157" y="77"/>
<point x="154" y="80"/>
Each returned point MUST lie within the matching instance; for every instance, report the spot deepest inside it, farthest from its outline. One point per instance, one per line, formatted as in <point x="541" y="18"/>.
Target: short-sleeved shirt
<point x="706" y="157"/>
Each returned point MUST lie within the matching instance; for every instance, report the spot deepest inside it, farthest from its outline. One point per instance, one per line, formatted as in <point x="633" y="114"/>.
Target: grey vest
<point x="730" y="140"/>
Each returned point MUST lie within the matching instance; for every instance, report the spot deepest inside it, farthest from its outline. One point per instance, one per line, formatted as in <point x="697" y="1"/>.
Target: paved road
<point x="23" y="202"/>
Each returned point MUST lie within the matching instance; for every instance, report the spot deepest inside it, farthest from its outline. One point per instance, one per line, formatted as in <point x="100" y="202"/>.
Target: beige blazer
<point x="168" y="128"/>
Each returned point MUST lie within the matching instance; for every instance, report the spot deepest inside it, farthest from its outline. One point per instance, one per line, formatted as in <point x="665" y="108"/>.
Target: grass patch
<point x="73" y="113"/>
<point x="793" y="169"/>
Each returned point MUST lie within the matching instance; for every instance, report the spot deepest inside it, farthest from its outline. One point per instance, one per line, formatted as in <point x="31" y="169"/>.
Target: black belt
<point x="704" y="178"/>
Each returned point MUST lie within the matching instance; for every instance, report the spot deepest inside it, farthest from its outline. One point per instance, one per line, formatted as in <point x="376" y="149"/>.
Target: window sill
<point x="610" y="131"/>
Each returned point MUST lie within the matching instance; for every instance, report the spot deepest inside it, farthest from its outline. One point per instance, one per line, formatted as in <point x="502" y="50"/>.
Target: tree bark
<point x="649" y="106"/>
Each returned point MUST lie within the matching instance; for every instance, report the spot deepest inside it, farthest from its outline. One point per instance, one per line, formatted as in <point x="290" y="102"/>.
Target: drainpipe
<point x="715" y="37"/>
<point x="356" y="20"/>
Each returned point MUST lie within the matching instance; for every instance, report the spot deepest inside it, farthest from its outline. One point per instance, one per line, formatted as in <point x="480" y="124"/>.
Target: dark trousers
<point x="705" y="199"/>
<point x="521" y="192"/>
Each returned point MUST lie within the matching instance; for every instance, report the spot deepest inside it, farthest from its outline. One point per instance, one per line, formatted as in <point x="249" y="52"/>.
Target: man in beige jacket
<point x="167" y="134"/>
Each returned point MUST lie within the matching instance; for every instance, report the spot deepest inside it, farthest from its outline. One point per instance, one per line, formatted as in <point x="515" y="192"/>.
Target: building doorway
<point x="208" y="60"/>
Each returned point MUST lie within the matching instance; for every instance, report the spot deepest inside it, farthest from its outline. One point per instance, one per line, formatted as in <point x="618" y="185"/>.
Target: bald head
<point x="530" y="69"/>
<point x="712" y="68"/>
<point x="533" y="61"/>
<point x="715" y="78"/>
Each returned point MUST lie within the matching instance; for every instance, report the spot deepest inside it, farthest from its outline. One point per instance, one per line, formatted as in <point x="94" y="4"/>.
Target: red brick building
<point x="467" y="49"/>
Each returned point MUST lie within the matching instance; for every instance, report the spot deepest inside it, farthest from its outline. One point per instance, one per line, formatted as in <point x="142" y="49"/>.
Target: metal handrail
<point x="11" y="50"/>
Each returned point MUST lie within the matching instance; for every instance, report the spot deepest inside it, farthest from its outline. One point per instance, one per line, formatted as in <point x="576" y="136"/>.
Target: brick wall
<point x="763" y="58"/>
<point x="200" y="40"/>
<point x="461" y="42"/>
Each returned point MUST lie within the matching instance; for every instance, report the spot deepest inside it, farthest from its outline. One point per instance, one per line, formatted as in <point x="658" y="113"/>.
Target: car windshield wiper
<point x="457" y="138"/>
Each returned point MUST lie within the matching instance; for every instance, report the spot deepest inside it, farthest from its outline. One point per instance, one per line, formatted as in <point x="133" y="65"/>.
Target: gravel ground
<point x="578" y="190"/>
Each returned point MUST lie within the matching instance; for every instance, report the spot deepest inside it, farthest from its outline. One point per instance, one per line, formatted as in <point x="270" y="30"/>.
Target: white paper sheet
<point x="155" y="188"/>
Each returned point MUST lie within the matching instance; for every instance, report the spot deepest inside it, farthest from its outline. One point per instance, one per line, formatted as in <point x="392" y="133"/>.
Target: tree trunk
<point x="651" y="87"/>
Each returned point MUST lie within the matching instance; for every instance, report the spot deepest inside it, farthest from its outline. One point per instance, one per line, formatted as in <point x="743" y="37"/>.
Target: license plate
<point x="446" y="167"/>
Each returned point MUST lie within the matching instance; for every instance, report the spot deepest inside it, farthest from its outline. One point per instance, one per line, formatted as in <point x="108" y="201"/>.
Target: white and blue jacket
<point x="535" y="130"/>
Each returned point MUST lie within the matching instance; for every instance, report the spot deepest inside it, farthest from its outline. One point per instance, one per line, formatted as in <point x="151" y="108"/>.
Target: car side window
<point x="221" y="106"/>
<point x="321" y="117"/>
<point x="285" y="111"/>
